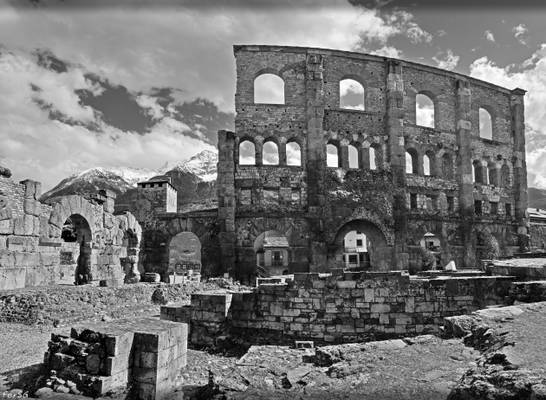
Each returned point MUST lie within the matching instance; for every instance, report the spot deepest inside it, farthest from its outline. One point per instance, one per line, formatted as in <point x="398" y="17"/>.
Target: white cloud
<point x="446" y="60"/>
<point x="19" y="70"/>
<point x="388" y="51"/>
<point x="403" y="23"/>
<point x="531" y="77"/>
<point x="155" y="110"/>
<point x="489" y="36"/>
<point x="521" y="33"/>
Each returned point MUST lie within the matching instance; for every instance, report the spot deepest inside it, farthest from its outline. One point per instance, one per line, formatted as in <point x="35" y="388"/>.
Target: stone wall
<point x="33" y="251"/>
<point x="338" y="308"/>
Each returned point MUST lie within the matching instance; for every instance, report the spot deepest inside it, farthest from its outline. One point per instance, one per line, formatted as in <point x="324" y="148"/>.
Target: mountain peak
<point x="202" y="164"/>
<point x="119" y="179"/>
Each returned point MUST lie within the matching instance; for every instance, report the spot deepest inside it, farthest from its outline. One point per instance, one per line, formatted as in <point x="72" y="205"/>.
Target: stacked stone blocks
<point x="142" y="356"/>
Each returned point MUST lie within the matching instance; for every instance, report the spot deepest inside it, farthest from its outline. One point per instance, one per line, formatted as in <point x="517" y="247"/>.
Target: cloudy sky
<point x="143" y="83"/>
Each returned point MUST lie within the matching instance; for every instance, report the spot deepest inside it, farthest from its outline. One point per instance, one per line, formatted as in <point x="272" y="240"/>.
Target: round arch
<point x="377" y="247"/>
<point x="75" y="253"/>
<point x="272" y="253"/>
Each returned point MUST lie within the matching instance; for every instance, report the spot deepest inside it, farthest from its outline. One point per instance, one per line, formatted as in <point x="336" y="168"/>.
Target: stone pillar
<point x="364" y="157"/>
<point x="282" y="152"/>
<point x="520" y="167"/>
<point x="464" y="170"/>
<point x="420" y="165"/>
<point x="225" y="187"/>
<point x="343" y="155"/>
<point x="396" y="155"/>
<point x="316" y="159"/>
<point x="258" y="148"/>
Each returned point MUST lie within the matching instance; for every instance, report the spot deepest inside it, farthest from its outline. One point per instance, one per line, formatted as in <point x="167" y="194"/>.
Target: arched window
<point x="505" y="176"/>
<point x="424" y="111"/>
<point x="293" y="154"/>
<point x="447" y="166"/>
<point x="351" y="95"/>
<point x="373" y="158"/>
<point x="426" y="165"/>
<point x="486" y="126"/>
<point x="247" y="153"/>
<point x="332" y="157"/>
<point x="353" y="156"/>
<point x="268" y="89"/>
<point x="411" y="162"/>
<point x="477" y="172"/>
<point x="270" y="153"/>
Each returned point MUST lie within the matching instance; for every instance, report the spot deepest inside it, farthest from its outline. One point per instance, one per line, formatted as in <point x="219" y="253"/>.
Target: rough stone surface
<point x="349" y="308"/>
<point x="144" y="355"/>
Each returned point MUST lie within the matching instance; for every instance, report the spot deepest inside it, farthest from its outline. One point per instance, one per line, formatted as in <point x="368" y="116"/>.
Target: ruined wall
<point x="378" y="196"/>
<point x="334" y="308"/>
<point x="32" y="251"/>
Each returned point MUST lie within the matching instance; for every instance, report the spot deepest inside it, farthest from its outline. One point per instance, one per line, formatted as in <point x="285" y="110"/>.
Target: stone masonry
<point x="347" y="307"/>
<point x="313" y="205"/>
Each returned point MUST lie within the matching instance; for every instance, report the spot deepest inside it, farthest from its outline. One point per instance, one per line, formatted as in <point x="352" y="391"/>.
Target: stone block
<point x="380" y="308"/>
<point x="24" y="225"/>
<point x="6" y="227"/>
<point x="346" y="284"/>
<point x="12" y="278"/>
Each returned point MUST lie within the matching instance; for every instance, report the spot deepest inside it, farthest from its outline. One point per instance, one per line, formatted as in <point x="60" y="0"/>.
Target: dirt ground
<point x="426" y="369"/>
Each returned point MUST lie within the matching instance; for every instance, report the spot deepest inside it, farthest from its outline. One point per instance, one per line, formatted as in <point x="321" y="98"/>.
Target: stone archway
<point x="272" y="254"/>
<point x="184" y="255"/>
<point x="75" y="255"/>
<point x="379" y="252"/>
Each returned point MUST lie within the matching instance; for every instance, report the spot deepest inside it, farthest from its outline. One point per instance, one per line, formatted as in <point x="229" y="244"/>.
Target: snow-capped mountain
<point x="189" y="177"/>
<point x="202" y="165"/>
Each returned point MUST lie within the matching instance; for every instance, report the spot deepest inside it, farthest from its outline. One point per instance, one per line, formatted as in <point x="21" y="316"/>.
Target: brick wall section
<point x="334" y="308"/>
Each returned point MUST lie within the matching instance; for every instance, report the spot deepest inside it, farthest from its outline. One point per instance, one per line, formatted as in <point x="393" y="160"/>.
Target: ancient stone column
<point x="396" y="155"/>
<point x="225" y="186"/>
<point x="464" y="170"/>
<point x="520" y="167"/>
<point x="316" y="158"/>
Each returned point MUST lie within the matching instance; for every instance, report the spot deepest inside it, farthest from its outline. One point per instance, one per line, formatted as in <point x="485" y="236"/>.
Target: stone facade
<point x="337" y="308"/>
<point x="473" y="197"/>
<point x="33" y="251"/>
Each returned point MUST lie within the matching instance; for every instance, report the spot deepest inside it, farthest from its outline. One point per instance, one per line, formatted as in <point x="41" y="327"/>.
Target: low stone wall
<point x="144" y="356"/>
<point x="329" y="308"/>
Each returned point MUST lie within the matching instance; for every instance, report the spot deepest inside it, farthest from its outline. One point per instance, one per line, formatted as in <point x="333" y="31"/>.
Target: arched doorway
<point x="360" y="236"/>
<point x="431" y="251"/>
<point x="271" y="249"/>
<point x="130" y="261"/>
<point x="355" y="253"/>
<point x="184" y="257"/>
<point x="75" y="255"/>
